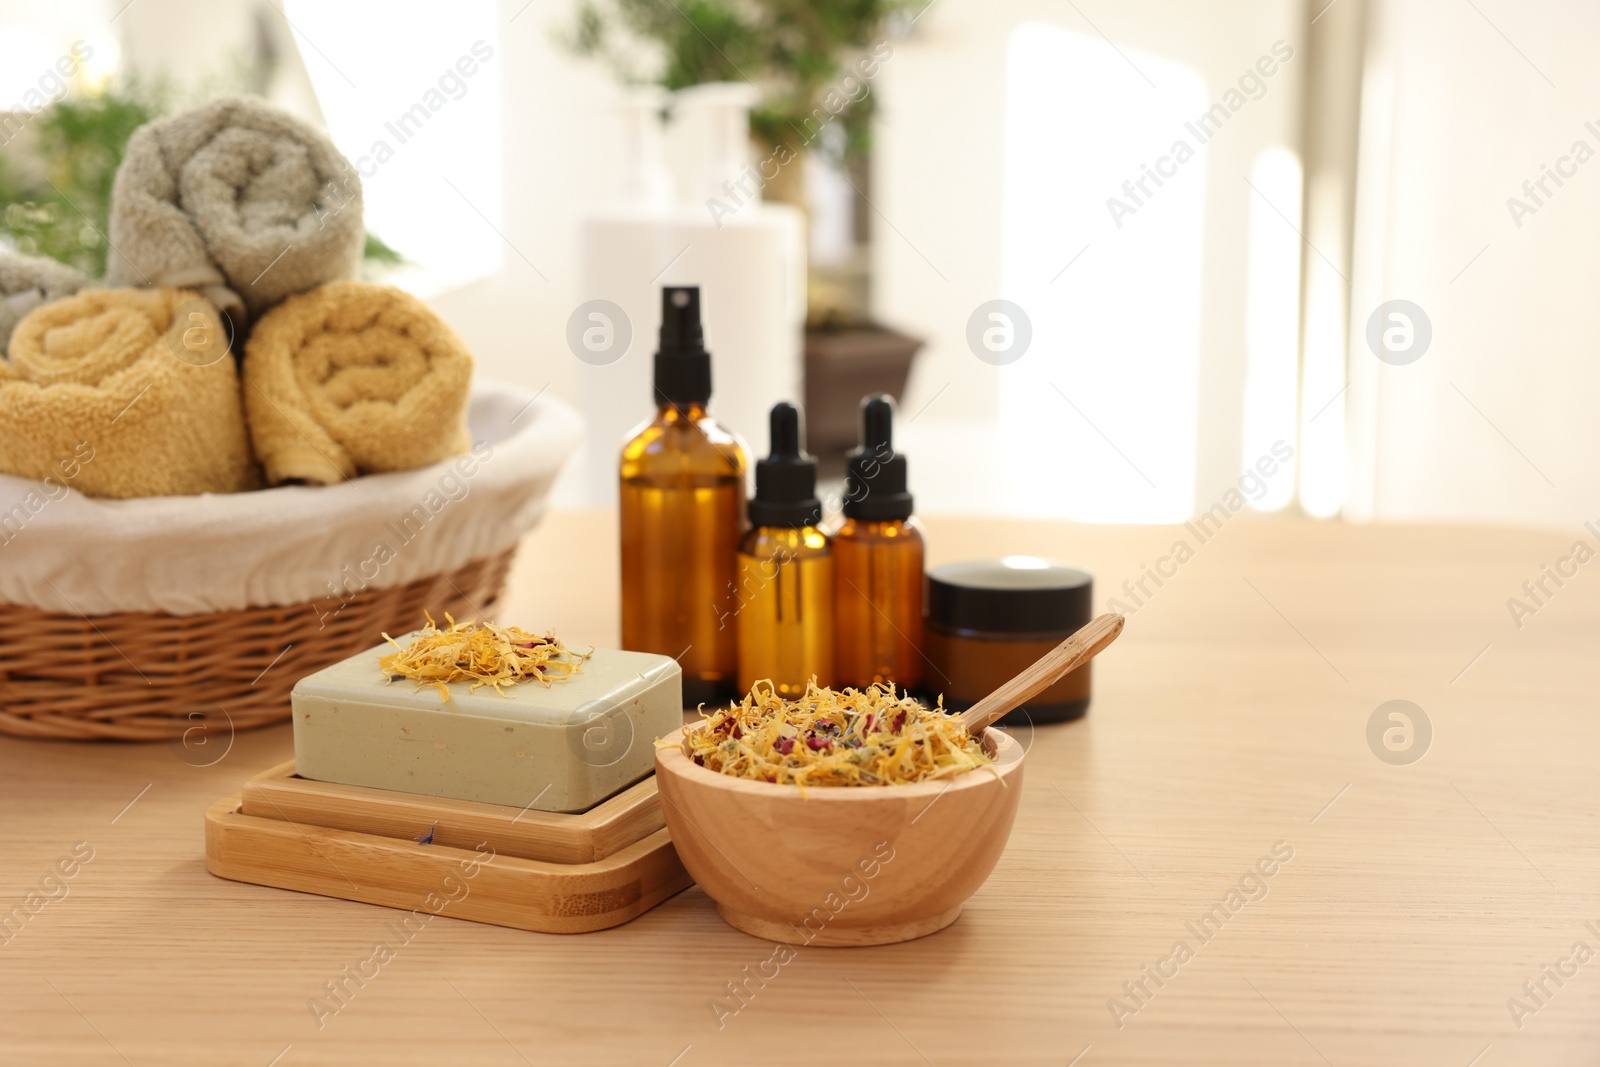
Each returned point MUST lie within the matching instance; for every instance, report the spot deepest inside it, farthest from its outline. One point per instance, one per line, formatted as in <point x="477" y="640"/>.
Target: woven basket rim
<point x="294" y="544"/>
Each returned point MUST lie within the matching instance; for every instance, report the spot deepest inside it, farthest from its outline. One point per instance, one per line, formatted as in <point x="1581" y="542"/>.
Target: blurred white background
<point x="1172" y="345"/>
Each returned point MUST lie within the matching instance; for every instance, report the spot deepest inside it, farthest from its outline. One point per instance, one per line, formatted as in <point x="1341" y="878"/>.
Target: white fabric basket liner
<point x="188" y="555"/>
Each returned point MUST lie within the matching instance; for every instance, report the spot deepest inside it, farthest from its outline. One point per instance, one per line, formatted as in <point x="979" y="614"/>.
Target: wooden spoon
<point x="1060" y="661"/>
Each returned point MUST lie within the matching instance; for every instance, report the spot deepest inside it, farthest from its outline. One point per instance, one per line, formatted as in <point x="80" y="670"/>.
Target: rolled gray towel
<point x="238" y="199"/>
<point x="28" y="281"/>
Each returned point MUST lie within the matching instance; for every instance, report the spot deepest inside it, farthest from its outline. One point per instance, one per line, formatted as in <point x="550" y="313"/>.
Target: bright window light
<point x="1324" y="463"/>
<point x="1099" y="415"/>
<point x="102" y="63"/>
<point x="1272" y="320"/>
<point x="25" y="59"/>
<point x="424" y="132"/>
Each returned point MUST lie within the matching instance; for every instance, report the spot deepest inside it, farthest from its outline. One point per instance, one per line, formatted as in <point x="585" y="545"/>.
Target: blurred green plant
<point x="57" y="190"/>
<point x="57" y="203"/>
<point x="796" y="52"/>
<point x="376" y="252"/>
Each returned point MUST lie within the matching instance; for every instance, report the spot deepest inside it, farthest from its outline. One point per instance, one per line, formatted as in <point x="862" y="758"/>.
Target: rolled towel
<point x="123" y="393"/>
<point x="237" y="199"/>
<point x="354" y="378"/>
<point x="28" y="281"/>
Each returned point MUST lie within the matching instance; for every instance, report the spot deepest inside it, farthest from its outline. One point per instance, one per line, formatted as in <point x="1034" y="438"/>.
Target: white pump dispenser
<point x="747" y="257"/>
<point x="711" y="131"/>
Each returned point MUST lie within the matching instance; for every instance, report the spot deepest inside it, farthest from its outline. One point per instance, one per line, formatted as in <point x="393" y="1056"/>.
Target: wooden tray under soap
<point x="550" y="872"/>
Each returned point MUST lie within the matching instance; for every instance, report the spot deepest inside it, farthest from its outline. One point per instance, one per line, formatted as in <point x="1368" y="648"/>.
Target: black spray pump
<point x="683" y="366"/>
<point x="786" y="481"/>
<point x="875" y="479"/>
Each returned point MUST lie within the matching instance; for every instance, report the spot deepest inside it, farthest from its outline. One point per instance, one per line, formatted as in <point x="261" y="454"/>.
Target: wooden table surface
<point x="1230" y="720"/>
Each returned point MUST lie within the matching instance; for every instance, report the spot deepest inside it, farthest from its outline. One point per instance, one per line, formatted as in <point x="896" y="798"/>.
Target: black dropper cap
<point x="875" y="476"/>
<point x="786" y="481"/>
<point x="683" y="366"/>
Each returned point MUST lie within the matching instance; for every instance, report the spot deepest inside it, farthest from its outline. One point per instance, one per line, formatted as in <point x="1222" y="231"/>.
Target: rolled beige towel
<point x="238" y="199"/>
<point x="354" y="378"/>
<point x="28" y="281"/>
<point x="124" y="393"/>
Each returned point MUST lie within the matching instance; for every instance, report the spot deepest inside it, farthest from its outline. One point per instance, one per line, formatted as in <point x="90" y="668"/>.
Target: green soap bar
<point x="562" y="747"/>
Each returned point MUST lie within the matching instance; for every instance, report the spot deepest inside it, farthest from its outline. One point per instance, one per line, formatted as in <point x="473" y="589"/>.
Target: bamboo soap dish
<point x="554" y="837"/>
<point x="532" y="870"/>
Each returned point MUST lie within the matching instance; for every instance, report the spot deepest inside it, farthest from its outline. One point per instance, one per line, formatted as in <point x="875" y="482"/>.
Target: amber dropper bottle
<point x="682" y="513"/>
<point x="877" y="560"/>
<point x="786" y="570"/>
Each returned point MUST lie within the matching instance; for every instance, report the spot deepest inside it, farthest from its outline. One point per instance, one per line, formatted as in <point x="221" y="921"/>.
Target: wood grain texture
<point x="554" y="837"/>
<point x="842" y="866"/>
<point x="475" y="883"/>
<point x="1230" y="715"/>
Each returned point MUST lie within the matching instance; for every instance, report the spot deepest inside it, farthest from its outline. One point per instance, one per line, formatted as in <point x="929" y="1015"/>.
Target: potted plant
<point x="813" y="62"/>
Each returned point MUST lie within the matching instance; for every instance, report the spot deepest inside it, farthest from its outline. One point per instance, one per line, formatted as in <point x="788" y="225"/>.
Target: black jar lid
<point x="1017" y="594"/>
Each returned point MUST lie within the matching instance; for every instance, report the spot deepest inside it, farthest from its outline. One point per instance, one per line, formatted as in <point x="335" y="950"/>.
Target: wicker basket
<point x="148" y="677"/>
<point x="144" y="619"/>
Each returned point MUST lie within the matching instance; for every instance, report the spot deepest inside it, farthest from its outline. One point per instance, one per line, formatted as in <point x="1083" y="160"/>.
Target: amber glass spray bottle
<point x="682" y="515"/>
<point x="785" y="570"/>
<point x="877" y="561"/>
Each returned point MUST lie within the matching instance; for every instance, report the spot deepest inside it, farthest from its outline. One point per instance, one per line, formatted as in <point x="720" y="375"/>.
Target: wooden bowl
<point x="839" y="866"/>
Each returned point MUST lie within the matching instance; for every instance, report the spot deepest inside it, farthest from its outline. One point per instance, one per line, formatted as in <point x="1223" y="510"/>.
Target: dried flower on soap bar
<point x="480" y="653"/>
<point x="829" y="737"/>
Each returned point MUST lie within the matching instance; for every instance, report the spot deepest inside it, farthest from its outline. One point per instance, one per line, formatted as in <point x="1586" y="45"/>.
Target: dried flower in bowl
<point x="851" y="737"/>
